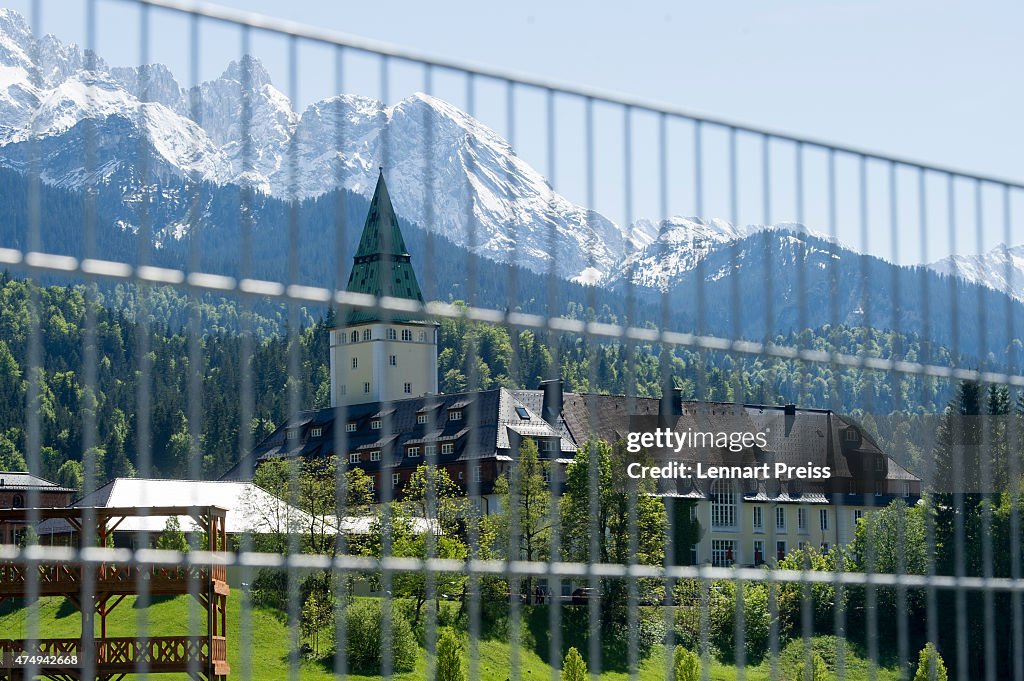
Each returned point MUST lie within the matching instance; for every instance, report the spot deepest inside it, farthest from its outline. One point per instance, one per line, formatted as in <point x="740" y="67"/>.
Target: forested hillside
<point x="488" y="355"/>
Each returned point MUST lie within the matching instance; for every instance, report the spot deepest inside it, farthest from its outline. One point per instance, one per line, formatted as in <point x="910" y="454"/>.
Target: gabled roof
<point x="382" y="266"/>
<point x="26" y="481"/>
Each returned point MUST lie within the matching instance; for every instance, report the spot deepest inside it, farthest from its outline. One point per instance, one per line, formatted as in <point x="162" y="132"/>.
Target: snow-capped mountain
<point x="47" y="90"/>
<point x="1001" y="269"/>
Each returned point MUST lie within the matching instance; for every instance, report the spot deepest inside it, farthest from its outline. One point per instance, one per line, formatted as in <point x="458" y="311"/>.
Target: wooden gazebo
<point x="96" y="589"/>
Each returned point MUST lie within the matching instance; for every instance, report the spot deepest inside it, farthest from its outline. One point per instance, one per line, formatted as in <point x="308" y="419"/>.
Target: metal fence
<point x="629" y="158"/>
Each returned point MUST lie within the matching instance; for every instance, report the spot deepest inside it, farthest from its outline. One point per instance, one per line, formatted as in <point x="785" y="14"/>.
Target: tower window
<point x="393" y="360"/>
<point x="406" y="335"/>
<point x="366" y="334"/>
<point x="392" y="334"/>
<point x="407" y="388"/>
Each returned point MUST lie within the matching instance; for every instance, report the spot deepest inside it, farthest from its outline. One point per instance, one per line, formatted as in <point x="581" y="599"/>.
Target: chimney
<point x="552" y="408"/>
<point x="671" y="404"/>
<point x="790" y="409"/>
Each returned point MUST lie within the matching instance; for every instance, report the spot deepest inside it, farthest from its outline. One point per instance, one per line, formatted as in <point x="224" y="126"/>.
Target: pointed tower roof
<point x="382" y="264"/>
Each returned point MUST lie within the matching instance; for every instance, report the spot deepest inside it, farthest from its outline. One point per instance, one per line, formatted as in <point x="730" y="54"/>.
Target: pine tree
<point x="573" y="666"/>
<point x="685" y="665"/>
<point x="930" y="666"/>
<point x="449" y="658"/>
<point x="815" y="671"/>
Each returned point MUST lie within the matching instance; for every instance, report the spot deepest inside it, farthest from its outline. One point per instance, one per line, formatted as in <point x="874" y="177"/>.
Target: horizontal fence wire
<point x="605" y="605"/>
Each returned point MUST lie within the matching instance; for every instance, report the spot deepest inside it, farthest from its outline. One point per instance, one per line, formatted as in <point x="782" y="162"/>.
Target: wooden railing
<point x="157" y="653"/>
<point x="59" y="577"/>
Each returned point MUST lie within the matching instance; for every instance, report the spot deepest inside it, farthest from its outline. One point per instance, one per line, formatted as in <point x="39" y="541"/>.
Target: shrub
<point x="573" y="666"/>
<point x="363" y="643"/>
<point x="817" y="671"/>
<point x="685" y="665"/>
<point x="929" y="658"/>
<point x="449" y="658"/>
<point x="757" y="620"/>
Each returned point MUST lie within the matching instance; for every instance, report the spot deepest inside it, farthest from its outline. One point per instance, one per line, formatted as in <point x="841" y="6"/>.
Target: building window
<point x="392" y="335"/>
<point x="423" y="336"/>
<point x="455" y="415"/>
<point x="413" y="452"/>
<point x="547" y="473"/>
<point x="407" y="388"/>
<point x="344" y="389"/>
<point x="393" y="360"/>
<point x="375" y="455"/>
<point x="825" y="548"/>
<point x="758" y="552"/>
<point x="406" y="335"/>
<point x="421" y="418"/>
<point x="857" y="515"/>
<point x="878" y="489"/>
<point x="343" y="338"/>
<point x="375" y="424"/>
<point x="350" y="427"/>
<point x="723" y="504"/>
<point x="396" y="478"/>
<point x="723" y="552"/>
<point x="823" y="517"/>
<point x="879" y="464"/>
<point x="355" y="362"/>
<point x="430" y="450"/>
<point x="366" y="334"/>
<point x="448" y="448"/>
<point x="355" y="336"/>
<point x="780" y="518"/>
<point x="292" y="434"/>
<point x="366" y="387"/>
<point x="906" y="489"/>
<point x="355" y="457"/>
<point x="316" y="432"/>
<point x="373" y="483"/>
<point x="477" y="473"/>
<point x="758" y="519"/>
<point x="801" y="519"/>
<point x="694" y="555"/>
<point x="18" y="501"/>
<point x="851" y="434"/>
<point x="780" y="550"/>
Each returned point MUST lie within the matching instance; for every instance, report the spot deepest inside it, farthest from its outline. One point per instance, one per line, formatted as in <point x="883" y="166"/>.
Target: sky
<point x="924" y="80"/>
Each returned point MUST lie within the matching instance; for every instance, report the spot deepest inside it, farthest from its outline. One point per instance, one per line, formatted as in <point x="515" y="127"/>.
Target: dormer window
<point x="350" y="427"/>
<point x="852" y="435"/>
<point x="455" y="415"/>
<point x="317" y="431"/>
<point x="375" y="455"/>
<point x="292" y="434"/>
<point x="421" y="418"/>
<point x="413" y="452"/>
<point x="354" y="457"/>
<point x="375" y="424"/>
<point x="448" y="448"/>
<point x="523" y="414"/>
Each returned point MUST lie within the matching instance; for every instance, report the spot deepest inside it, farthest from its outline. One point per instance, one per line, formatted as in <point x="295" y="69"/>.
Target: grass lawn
<point x="266" y="654"/>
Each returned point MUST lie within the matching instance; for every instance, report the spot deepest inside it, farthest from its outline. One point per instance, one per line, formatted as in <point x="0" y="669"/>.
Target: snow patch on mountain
<point x="1001" y="269"/>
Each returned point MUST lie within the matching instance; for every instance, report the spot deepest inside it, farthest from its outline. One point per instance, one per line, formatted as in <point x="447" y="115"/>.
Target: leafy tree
<point x="449" y="658"/>
<point x="616" y="495"/>
<point x="930" y="666"/>
<point x="756" y="619"/>
<point x="316" y="614"/>
<point x="529" y="510"/>
<point x="792" y="595"/>
<point x="685" y="665"/>
<point x="172" y="538"/>
<point x="573" y="666"/>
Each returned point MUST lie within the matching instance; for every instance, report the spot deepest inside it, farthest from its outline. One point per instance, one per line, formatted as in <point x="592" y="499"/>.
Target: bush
<point x="816" y="672"/>
<point x="449" y="658"/>
<point x="757" y="620"/>
<point x="685" y="665"/>
<point x="929" y="658"/>
<point x="573" y="666"/>
<point x="270" y="589"/>
<point x="363" y="642"/>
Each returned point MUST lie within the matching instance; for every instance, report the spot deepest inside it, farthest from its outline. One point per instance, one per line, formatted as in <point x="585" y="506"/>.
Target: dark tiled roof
<point x="24" y="480"/>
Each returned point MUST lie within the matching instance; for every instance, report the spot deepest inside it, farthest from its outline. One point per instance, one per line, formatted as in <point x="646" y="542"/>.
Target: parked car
<point x="582" y="595"/>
